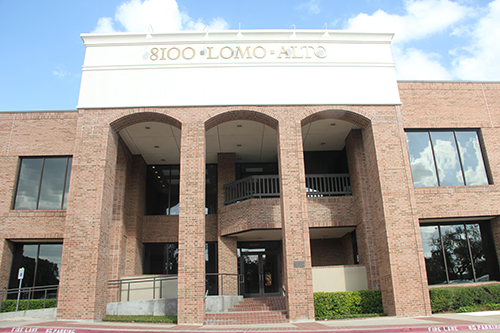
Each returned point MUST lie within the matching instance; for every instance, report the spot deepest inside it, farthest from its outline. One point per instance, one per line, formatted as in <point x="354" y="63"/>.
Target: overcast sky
<point x="41" y="53"/>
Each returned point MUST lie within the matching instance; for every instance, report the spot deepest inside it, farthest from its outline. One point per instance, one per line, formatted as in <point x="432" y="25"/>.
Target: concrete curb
<point x="458" y="328"/>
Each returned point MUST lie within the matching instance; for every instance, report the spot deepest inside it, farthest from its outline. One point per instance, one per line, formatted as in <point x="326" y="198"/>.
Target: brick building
<point x="254" y="163"/>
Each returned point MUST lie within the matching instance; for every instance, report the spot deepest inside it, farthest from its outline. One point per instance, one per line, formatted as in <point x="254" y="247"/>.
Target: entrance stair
<point x="264" y="310"/>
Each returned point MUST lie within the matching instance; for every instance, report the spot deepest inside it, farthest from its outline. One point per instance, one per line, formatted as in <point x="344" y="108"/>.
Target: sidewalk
<point x="476" y="321"/>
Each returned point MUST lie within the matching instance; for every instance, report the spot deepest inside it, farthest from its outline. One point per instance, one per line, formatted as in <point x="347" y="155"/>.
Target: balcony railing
<point x="324" y="185"/>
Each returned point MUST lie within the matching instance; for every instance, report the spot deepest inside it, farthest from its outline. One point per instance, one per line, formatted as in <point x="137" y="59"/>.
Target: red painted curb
<point x="458" y="328"/>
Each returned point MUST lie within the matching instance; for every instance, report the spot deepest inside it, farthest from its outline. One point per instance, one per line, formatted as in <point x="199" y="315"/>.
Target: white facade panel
<point x="268" y="68"/>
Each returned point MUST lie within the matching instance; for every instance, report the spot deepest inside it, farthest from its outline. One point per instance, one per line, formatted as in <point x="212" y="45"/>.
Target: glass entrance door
<point x="260" y="268"/>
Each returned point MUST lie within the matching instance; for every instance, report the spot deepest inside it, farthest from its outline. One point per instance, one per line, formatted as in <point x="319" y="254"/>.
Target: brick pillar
<point x="361" y="195"/>
<point x="85" y="255"/>
<point x="134" y="212"/>
<point x="6" y="252"/>
<point x="227" y="246"/>
<point x="396" y="229"/>
<point x="495" y="228"/>
<point x="117" y="242"/>
<point x="297" y="274"/>
<point x="191" y="283"/>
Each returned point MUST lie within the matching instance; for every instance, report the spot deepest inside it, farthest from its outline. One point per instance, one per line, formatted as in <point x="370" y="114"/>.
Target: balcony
<point x="317" y="186"/>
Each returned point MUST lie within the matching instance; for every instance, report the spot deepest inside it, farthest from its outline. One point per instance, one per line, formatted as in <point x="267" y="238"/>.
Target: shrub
<point x="454" y="298"/>
<point x="347" y="303"/>
<point x="9" y="305"/>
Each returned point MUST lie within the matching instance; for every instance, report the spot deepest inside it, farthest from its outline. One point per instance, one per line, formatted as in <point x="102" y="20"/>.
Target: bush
<point x="143" y="319"/>
<point x="9" y="305"/>
<point x="454" y="298"/>
<point x="347" y="303"/>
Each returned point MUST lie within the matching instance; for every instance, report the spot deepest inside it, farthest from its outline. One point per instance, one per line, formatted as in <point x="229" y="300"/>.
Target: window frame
<point x="66" y="181"/>
<point x="429" y="132"/>
<point x="487" y="245"/>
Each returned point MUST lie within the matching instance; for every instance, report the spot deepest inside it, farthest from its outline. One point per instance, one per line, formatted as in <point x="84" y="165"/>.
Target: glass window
<point x="459" y="253"/>
<point x="446" y="158"/>
<point x="162" y="190"/>
<point x="163" y="258"/>
<point x="41" y="262"/>
<point x="43" y="183"/>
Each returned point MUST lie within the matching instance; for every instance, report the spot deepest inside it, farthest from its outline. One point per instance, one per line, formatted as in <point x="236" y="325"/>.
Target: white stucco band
<point x="261" y="68"/>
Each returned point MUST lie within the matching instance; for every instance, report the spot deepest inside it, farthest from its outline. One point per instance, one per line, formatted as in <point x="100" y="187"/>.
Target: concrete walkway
<point x="477" y="321"/>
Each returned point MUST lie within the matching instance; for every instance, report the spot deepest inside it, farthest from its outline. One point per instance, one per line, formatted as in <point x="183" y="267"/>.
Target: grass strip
<point x="142" y="319"/>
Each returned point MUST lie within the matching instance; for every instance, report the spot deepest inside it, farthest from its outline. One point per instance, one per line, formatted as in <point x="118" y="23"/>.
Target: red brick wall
<point x="334" y="251"/>
<point x="105" y="223"/>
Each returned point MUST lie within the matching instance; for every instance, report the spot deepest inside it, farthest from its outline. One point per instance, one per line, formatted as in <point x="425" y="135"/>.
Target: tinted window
<point x="446" y="158"/>
<point x="43" y="183"/>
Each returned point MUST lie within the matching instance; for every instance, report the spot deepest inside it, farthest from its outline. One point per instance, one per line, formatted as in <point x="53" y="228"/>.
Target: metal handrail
<point x="252" y="187"/>
<point x="221" y="275"/>
<point x="125" y="284"/>
<point x="28" y="293"/>
<point x="317" y="185"/>
<point x="128" y="282"/>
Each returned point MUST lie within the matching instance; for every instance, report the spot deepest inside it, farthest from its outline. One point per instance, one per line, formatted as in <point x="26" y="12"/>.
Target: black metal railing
<point x="30" y="294"/>
<point x="327" y="185"/>
<point x="320" y="185"/>
<point x="252" y="187"/>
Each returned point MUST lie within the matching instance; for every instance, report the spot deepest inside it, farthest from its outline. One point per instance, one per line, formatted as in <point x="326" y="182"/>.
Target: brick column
<point x="495" y="229"/>
<point x="297" y="274"/>
<point x="227" y="246"/>
<point x="361" y="197"/>
<point x="6" y="252"/>
<point x="191" y="283"/>
<point x="396" y="230"/>
<point x="86" y="249"/>
<point x="134" y="212"/>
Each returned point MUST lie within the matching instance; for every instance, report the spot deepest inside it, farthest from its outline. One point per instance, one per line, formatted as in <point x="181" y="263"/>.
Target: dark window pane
<point x="211" y="282"/>
<point x="173" y="207"/>
<point x="28" y="183"/>
<point x="154" y="258"/>
<point x="447" y="160"/>
<point x="172" y="262"/>
<point x="472" y="158"/>
<point x="160" y="258"/>
<point x="421" y="159"/>
<point x="211" y="189"/>
<point x="54" y="174"/>
<point x="66" y="186"/>
<point x="162" y="190"/>
<point x="433" y="254"/>
<point x="457" y="253"/>
<point x="478" y="257"/>
<point x="49" y="264"/>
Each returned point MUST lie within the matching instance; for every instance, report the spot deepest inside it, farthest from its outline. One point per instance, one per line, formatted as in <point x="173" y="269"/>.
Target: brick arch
<point x="346" y="115"/>
<point x="141" y="117"/>
<point x="241" y="115"/>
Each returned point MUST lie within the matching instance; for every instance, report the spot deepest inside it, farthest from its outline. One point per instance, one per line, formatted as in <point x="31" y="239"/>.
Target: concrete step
<point x="260" y="304"/>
